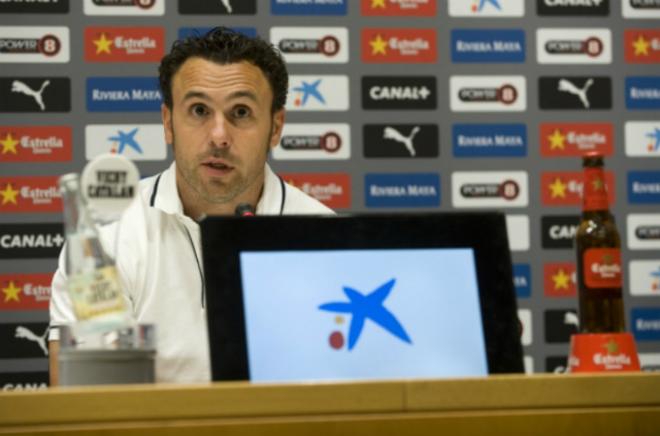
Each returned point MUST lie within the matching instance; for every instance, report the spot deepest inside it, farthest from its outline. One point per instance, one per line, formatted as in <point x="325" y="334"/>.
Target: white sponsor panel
<point x="644" y="277"/>
<point x="528" y="363"/>
<point x="328" y="141"/>
<point x="34" y="44"/>
<point x="649" y="361"/>
<point x="640" y="12"/>
<point x="525" y="317"/>
<point x="487" y="8"/>
<point x="495" y="189"/>
<point x="327" y="45"/>
<point x="642" y="138"/>
<point x="488" y="93"/>
<point x="574" y="46"/>
<point x="123" y="7"/>
<point x="135" y="141"/>
<point x="317" y="93"/>
<point x="643" y="231"/>
<point x="517" y="228"/>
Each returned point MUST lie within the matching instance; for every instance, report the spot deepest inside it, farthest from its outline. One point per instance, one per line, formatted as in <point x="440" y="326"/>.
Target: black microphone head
<point x="245" y="209"/>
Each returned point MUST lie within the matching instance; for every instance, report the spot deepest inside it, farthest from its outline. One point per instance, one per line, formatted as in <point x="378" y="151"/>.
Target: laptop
<point x="359" y="297"/>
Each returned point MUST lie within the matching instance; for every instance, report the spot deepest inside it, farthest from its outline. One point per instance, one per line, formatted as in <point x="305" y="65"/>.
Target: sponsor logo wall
<point x="394" y="105"/>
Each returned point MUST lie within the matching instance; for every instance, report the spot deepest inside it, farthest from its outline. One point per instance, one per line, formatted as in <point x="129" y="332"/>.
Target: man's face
<point x="221" y="129"/>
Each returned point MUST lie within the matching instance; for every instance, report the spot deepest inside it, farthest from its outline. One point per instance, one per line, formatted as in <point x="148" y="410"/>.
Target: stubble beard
<point x="191" y="177"/>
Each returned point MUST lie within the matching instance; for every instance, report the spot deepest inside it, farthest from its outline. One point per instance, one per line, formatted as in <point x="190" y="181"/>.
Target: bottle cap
<point x="109" y="184"/>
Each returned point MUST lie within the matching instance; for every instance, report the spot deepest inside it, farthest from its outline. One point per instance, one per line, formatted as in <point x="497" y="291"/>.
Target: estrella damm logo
<point x="564" y="188"/>
<point x="331" y="189"/>
<point x="559" y="279"/>
<point x="575" y="139"/>
<point x="25" y="291"/>
<point x="392" y="45"/>
<point x="642" y="46"/>
<point x="30" y="194"/>
<point x="124" y="44"/>
<point x="398" y="8"/>
<point x="35" y="143"/>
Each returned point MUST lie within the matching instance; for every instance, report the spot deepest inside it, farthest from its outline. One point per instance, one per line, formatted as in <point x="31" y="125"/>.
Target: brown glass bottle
<point x="599" y="270"/>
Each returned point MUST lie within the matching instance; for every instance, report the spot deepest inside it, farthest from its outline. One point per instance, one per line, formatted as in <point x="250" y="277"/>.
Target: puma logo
<point x="567" y="86"/>
<point x="227" y="6"/>
<point x="407" y="141"/>
<point x="25" y="333"/>
<point x="22" y="88"/>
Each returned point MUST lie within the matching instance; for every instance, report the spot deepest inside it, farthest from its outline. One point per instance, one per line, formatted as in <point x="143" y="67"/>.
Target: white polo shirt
<point x="158" y="254"/>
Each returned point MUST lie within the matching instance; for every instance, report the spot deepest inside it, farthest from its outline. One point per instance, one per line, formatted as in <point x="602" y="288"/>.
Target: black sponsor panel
<point x="35" y="94"/>
<point x="401" y="140"/>
<point x="644" y="4"/>
<point x="34" y="7"/>
<point x="31" y="241"/>
<point x="573" y="7"/>
<point x="560" y="324"/>
<point x="23" y="381"/>
<point x="575" y="92"/>
<point x="23" y="340"/>
<point x="556" y="364"/>
<point x="648" y="232"/>
<point x="399" y="92"/>
<point x="223" y="7"/>
<point x="559" y="231"/>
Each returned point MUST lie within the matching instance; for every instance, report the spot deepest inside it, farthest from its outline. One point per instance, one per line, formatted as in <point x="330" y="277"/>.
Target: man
<point x="223" y="110"/>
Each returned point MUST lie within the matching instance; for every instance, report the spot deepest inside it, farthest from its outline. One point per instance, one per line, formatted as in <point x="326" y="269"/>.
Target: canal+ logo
<point x="363" y="307"/>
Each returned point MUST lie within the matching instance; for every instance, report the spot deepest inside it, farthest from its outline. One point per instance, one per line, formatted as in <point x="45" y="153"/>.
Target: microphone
<point x="245" y="209"/>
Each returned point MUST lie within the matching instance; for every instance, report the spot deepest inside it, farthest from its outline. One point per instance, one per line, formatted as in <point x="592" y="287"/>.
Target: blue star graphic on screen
<point x="656" y="137"/>
<point x="310" y="90"/>
<point x="495" y="3"/>
<point x="126" y="139"/>
<point x="363" y="307"/>
<point x="656" y="274"/>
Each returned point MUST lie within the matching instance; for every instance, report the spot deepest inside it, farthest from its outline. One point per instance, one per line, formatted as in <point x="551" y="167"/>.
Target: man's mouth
<point x="217" y="166"/>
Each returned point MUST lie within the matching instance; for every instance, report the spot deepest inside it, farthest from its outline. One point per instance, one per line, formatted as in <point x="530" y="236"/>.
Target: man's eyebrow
<point x="234" y="95"/>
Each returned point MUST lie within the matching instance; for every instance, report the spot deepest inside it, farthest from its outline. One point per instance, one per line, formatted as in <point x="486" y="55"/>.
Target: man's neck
<point x="195" y="207"/>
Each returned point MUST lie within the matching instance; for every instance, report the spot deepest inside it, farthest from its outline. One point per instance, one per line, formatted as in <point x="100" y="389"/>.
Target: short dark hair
<point x="226" y="46"/>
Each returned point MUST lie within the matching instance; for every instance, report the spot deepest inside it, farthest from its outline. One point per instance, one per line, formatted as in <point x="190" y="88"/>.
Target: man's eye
<point x="199" y="110"/>
<point x="241" y="112"/>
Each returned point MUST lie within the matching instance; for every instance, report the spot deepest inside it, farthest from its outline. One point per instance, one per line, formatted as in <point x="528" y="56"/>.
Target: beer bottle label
<point x="96" y="293"/>
<point x="594" y="190"/>
<point x="602" y="268"/>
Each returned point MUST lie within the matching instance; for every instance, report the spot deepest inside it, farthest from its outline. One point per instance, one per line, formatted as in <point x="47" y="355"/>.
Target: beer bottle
<point x="599" y="271"/>
<point x="92" y="279"/>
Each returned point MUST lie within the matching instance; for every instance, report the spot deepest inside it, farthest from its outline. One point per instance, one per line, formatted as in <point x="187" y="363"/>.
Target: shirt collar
<point x="166" y="195"/>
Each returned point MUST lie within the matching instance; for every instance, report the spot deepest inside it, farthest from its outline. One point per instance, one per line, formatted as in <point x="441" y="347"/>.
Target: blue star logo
<point x="310" y="90"/>
<point x="363" y="307"/>
<point x="655" y="136"/>
<point x="495" y="3"/>
<point x="126" y="139"/>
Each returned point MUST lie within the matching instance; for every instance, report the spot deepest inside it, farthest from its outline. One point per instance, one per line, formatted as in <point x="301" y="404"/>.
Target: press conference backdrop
<point x="415" y="105"/>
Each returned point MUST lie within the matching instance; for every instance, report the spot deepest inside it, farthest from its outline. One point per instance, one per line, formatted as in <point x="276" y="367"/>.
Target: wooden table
<point x="612" y="404"/>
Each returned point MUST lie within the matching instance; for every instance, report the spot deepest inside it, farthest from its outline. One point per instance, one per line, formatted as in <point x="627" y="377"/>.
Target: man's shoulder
<point x="299" y="203"/>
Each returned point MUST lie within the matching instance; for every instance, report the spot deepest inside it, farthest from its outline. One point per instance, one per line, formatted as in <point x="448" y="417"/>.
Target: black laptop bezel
<point x="224" y="238"/>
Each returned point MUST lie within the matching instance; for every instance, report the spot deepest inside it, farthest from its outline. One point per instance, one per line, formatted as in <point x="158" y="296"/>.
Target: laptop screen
<point x="362" y="314"/>
<point x="299" y="298"/>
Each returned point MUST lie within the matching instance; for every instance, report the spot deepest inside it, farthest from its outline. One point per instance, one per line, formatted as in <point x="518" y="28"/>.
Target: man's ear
<point x="278" y="125"/>
<point x="166" y="116"/>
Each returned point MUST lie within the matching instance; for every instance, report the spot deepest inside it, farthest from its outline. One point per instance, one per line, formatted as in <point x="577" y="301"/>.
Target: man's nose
<point x="220" y="132"/>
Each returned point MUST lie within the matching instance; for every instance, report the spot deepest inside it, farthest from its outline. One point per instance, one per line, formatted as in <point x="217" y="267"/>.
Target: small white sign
<point x="34" y="44"/>
<point x="488" y="93"/>
<point x="317" y="93"/>
<point x="637" y="9"/>
<point x="329" y="141"/>
<point x="644" y="277"/>
<point x="323" y="45"/>
<point x="124" y="7"/>
<point x="643" y="231"/>
<point x="525" y="317"/>
<point x="134" y="141"/>
<point x="642" y="138"/>
<point x="496" y="189"/>
<point x="517" y="227"/>
<point x="574" y="46"/>
<point x="486" y="8"/>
